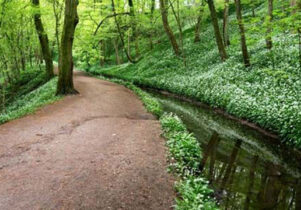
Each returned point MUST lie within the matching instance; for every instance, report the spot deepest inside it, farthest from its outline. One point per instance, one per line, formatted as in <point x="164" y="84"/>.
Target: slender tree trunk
<point x="65" y="82"/>
<point x="226" y="24"/>
<point x="198" y="24"/>
<point x="299" y="36"/>
<point x="134" y="28"/>
<point x="120" y="34"/>
<point x="57" y="10"/>
<point x="293" y="6"/>
<point x="253" y="8"/>
<point x="43" y="40"/>
<point x="177" y="17"/>
<point x="151" y="21"/>
<point x="218" y="37"/>
<point x="133" y="24"/>
<point x="115" y="43"/>
<point x="269" y="25"/>
<point x="167" y="28"/>
<point x="298" y="29"/>
<point x="129" y="45"/>
<point x="102" y="51"/>
<point x="244" y="48"/>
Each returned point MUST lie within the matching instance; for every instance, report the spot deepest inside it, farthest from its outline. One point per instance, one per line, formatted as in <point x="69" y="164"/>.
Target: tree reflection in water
<point x="246" y="169"/>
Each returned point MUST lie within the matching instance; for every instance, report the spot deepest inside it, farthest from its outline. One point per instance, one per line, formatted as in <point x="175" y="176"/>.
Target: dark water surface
<point x="247" y="169"/>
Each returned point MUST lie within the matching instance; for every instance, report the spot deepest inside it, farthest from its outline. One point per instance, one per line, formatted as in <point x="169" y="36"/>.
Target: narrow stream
<point x="247" y="169"/>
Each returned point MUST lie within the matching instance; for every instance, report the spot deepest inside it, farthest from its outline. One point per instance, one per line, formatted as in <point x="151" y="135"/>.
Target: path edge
<point x="190" y="178"/>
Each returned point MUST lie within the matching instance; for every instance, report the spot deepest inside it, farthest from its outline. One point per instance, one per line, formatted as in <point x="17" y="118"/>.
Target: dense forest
<point x="240" y="57"/>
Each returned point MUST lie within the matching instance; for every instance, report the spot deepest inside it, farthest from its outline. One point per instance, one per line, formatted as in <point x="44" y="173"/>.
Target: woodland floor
<point x="96" y="150"/>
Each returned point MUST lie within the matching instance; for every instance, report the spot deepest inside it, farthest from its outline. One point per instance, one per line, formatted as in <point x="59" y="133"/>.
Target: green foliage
<point x="30" y="102"/>
<point x="268" y="93"/>
<point x="184" y="150"/>
<point x="185" y="156"/>
<point x="28" y="80"/>
<point x="195" y="194"/>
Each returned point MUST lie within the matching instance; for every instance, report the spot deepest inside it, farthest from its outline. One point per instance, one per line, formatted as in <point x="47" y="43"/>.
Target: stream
<point x="246" y="169"/>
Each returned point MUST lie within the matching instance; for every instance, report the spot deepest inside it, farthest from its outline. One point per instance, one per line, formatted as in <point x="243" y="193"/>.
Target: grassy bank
<point x="29" y="102"/>
<point x="268" y="93"/>
<point x="26" y="81"/>
<point x="184" y="155"/>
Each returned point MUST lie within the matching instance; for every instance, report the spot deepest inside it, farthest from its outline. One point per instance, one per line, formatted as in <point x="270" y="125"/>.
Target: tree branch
<point x="109" y="16"/>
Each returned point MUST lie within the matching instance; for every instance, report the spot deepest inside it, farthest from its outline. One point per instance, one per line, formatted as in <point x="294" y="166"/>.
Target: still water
<point x="247" y="169"/>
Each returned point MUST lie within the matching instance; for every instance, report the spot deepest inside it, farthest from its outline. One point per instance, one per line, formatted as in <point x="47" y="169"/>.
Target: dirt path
<point x="96" y="150"/>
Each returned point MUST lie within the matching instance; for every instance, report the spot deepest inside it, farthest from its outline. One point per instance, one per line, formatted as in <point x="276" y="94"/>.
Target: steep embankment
<point x="267" y="94"/>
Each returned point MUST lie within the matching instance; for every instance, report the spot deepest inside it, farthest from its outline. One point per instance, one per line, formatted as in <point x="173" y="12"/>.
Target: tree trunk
<point x="244" y="48"/>
<point x="226" y="24"/>
<point x="218" y="37"/>
<point x="120" y="34"/>
<point x="177" y="17"/>
<point x="43" y="38"/>
<point x="115" y="43"/>
<point x="198" y="24"/>
<point x="269" y="25"/>
<point x="151" y="21"/>
<point x="65" y="82"/>
<point x="57" y="10"/>
<point x="293" y="6"/>
<point x="167" y="28"/>
<point x="134" y="28"/>
<point x="129" y="45"/>
<point x="298" y="9"/>
<point x="102" y="50"/>
<point x="253" y="8"/>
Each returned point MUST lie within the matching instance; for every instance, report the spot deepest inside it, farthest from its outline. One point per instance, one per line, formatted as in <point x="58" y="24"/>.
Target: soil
<point x="99" y="149"/>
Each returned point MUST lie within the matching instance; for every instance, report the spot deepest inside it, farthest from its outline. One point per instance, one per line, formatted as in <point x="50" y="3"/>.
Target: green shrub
<point x="195" y="194"/>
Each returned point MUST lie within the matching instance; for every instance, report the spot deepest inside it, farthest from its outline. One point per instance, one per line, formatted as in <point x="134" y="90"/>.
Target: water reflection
<point x="246" y="169"/>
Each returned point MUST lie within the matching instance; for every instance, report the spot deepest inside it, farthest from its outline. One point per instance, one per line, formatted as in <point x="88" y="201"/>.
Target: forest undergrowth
<point x="267" y="93"/>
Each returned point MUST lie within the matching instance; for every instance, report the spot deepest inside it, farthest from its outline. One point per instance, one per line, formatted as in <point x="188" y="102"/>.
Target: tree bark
<point x="65" y="82"/>
<point x="151" y="21"/>
<point x="57" y="10"/>
<point x="167" y="28"/>
<point x="244" y="48"/>
<point x="177" y="17"/>
<point x="43" y="38"/>
<point x="269" y="25"/>
<point x="226" y="24"/>
<point x="115" y="43"/>
<point x="218" y="37"/>
<point x="293" y="6"/>
<point x="134" y="28"/>
<point x="198" y="24"/>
